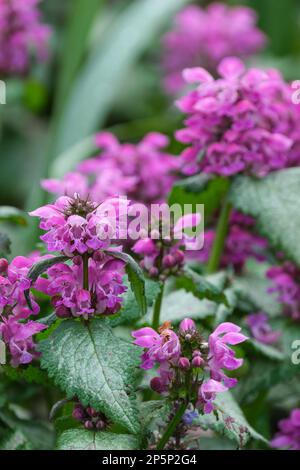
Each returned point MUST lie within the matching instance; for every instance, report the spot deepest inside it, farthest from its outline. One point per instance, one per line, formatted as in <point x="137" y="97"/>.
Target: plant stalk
<point x="157" y="309"/>
<point x="219" y="242"/>
<point x="85" y="260"/>
<point x="172" y="426"/>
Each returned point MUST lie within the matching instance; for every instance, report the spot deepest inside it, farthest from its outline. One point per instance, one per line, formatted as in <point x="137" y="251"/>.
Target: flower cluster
<point x="188" y="366"/>
<point x="165" y="255"/>
<point x="102" y="295"/>
<point x="288" y="436"/>
<point x="285" y="280"/>
<point x="144" y="172"/>
<point x="21" y="33"/>
<point x="77" y="226"/>
<point x="89" y="417"/>
<point x="243" y="122"/>
<point x="16" y="328"/>
<point x="241" y="243"/>
<point x="260" y="328"/>
<point x="205" y="36"/>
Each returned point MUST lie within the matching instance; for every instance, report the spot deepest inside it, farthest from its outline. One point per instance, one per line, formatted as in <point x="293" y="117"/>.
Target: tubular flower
<point x="288" y="436"/>
<point x="76" y="226"/>
<point x="285" y="280"/>
<point x="21" y="33"/>
<point x="243" y="122"/>
<point x="260" y="328"/>
<point x="188" y="366"/>
<point x="103" y="296"/>
<point x="165" y="255"/>
<point x="16" y="329"/>
<point x="205" y="36"/>
<point x="144" y="172"/>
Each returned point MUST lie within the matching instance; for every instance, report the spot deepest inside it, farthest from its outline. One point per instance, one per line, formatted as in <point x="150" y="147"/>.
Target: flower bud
<point x="197" y="361"/>
<point x="88" y="425"/>
<point x="187" y="325"/>
<point x="100" y="425"/>
<point x="179" y="256"/>
<point x="62" y="312"/>
<point x="168" y="261"/>
<point x="78" y="413"/>
<point x="196" y="353"/>
<point x="153" y="272"/>
<point x="77" y="260"/>
<point x="3" y="265"/>
<point x="184" y="363"/>
<point x="91" y="412"/>
<point x="157" y="385"/>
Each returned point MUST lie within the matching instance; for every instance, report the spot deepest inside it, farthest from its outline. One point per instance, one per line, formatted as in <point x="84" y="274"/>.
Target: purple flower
<point x="221" y="356"/>
<point x="285" y="280"/>
<point x="205" y="37"/>
<point x="21" y="33"/>
<point x="288" y="436"/>
<point x="189" y="416"/>
<point x="18" y="337"/>
<point x="163" y="257"/>
<point x="243" y="122"/>
<point x="207" y="394"/>
<point x="160" y="347"/>
<point x="260" y="328"/>
<point x="104" y="295"/>
<point x="241" y="243"/>
<point x="76" y="226"/>
<point x="122" y="169"/>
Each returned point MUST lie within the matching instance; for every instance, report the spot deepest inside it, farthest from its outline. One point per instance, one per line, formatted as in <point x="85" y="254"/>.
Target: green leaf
<point x="224" y="311"/>
<point x="201" y="287"/>
<point x="5" y="244"/>
<point x="82" y="17"/>
<point x="135" y="276"/>
<point x="88" y="361"/>
<point x="29" y="374"/>
<point x="12" y="215"/>
<point x="94" y="91"/>
<point x="39" y="268"/>
<point x="80" y="439"/>
<point x="153" y="414"/>
<point x="130" y="311"/>
<point x="273" y="202"/>
<point x="266" y="350"/>
<point x="200" y="189"/>
<point x="229" y="421"/>
<point x="15" y="440"/>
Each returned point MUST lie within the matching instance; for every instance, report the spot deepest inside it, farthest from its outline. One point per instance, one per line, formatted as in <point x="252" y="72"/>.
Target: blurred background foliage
<point x="104" y="73"/>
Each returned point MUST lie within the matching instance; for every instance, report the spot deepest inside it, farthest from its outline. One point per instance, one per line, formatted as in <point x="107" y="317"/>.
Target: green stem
<point x="172" y="426"/>
<point x="221" y="232"/>
<point x="85" y="259"/>
<point x="157" y="308"/>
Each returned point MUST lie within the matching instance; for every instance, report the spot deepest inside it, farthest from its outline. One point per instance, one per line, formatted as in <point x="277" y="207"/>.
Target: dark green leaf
<point x="135" y="276"/>
<point x="88" y="361"/>
<point x="12" y="215"/>
<point x="5" y="244"/>
<point x="201" y="287"/>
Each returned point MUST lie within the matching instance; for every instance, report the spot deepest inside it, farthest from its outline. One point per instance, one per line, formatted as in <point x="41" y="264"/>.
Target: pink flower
<point x="21" y="33"/>
<point x="260" y="328"/>
<point x="122" y="169"/>
<point x="221" y="356"/>
<point x="187" y="325"/>
<point x="18" y="337"/>
<point x="242" y="122"/>
<point x="76" y="226"/>
<point x="205" y="36"/>
<point x="285" y="280"/>
<point x="104" y="293"/>
<point x="161" y="348"/>
<point x="207" y="394"/>
<point x="288" y="436"/>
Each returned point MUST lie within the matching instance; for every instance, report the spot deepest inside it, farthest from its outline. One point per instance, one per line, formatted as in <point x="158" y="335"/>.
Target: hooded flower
<point x="242" y="122"/>
<point x="207" y="394"/>
<point x="21" y="34"/>
<point x="221" y="356"/>
<point x="144" y="172"/>
<point x="260" y="328"/>
<point x="285" y="280"/>
<point x="76" y="226"/>
<point x="288" y="436"/>
<point x="205" y="36"/>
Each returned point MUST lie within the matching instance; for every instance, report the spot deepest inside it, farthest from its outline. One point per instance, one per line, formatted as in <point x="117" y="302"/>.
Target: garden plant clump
<point x="149" y="253"/>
